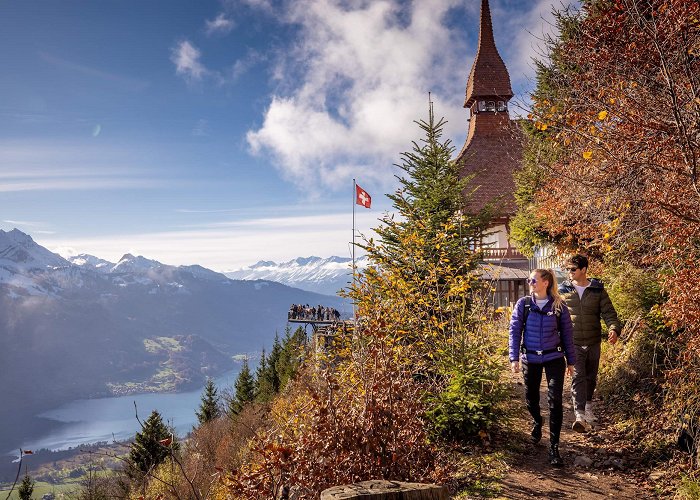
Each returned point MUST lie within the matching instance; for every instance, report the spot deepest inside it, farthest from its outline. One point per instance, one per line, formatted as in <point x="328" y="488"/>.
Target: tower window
<point x="501" y="106"/>
<point x="490" y="106"/>
<point x="482" y="105"/>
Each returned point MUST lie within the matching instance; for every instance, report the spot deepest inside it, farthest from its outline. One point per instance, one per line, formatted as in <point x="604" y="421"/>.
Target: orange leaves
<point x="587" y="155"/>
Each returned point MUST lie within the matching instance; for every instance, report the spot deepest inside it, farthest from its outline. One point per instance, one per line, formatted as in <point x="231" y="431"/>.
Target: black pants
<point x="554" y="371"/>
<point x="585" y="375"/>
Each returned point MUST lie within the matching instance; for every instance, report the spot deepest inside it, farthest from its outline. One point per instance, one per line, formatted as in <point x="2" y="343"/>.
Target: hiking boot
<point x="536" y="433"/>
<point x="588" y="415"/>
<point x="580" y="424"/>
<point x="554" y="458"/>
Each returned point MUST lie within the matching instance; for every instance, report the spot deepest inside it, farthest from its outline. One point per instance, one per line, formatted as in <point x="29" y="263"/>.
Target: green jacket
<point x="587" y="311"/>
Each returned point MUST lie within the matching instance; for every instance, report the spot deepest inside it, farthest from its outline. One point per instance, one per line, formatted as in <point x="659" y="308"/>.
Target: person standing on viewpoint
<point x="541" y="337"/>
<point x="587" y="302"/>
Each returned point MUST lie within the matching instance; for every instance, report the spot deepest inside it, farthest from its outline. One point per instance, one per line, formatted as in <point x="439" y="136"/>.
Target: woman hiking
<point x="541" y="338"/>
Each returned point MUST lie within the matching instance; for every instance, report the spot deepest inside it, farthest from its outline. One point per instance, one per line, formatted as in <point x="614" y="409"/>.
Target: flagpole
<point x="354" y="195"/>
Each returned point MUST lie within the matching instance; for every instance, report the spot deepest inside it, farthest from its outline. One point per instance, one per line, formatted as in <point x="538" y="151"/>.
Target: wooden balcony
<point x="492" y="254"/>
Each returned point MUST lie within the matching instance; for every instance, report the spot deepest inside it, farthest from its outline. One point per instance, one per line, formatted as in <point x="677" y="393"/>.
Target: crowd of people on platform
<point x="318" y="313"/>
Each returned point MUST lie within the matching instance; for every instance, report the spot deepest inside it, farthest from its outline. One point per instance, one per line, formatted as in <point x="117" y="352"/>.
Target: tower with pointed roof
<point x="492" y="152"/>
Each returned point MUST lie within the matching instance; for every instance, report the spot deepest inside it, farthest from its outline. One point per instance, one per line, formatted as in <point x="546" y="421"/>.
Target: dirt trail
<point x="594" y="468"/>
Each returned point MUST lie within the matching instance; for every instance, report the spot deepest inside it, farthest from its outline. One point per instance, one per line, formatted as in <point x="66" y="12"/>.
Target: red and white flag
<point x="27" y="452"/>
<point x="362" y="197"/>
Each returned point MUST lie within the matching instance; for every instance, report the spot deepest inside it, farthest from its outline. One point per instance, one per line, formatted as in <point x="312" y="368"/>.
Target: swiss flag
<point x="166" y="441"/>
<point x="362" y="197"/>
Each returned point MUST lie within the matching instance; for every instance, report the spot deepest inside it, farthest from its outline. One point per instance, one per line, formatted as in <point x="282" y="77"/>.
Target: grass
<point x="40" y="489"/>
<point x="160" y="344"/>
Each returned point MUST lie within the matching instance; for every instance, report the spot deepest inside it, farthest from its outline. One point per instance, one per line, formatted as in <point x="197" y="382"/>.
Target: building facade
<point x="491" y="154"/>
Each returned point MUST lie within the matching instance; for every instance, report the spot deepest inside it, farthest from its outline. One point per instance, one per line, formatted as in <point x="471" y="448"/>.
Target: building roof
<point x="492" y="159"/>
<point x="489" y="76"/>
<point x="493" y="149"/>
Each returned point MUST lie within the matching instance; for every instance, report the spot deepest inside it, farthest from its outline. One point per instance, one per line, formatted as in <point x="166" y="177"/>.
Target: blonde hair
<point x="552" y="288"/>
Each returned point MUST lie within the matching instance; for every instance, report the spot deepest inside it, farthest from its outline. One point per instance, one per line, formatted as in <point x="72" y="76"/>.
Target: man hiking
<point x="588" y="302"/>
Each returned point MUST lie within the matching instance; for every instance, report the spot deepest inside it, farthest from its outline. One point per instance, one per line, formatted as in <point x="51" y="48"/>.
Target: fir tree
<point x="151" y="446"/>
<point x="26" y="488"/>
<point x="264" y="387"/>
<point x="272" y="365"/>
<point x="244" y="390"/>
<point x="291" y="355"/>
<point x="431" y="203"/>
<point x="209" y="408"/>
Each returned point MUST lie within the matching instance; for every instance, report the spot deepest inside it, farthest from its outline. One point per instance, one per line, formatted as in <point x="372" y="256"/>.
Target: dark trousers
<point x="585" y="375"/>
<point x="532" y="375"/>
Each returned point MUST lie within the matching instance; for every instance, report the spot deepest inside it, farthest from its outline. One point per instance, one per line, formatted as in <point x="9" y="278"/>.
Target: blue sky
<point x="225" y="132"/>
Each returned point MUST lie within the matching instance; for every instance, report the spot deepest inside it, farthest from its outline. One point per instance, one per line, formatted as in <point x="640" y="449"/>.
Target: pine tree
<point x="244" y="390"/>
<point x="151" y="446"/>
<point x="209" y="408"/>
<point x="26" y="488"/>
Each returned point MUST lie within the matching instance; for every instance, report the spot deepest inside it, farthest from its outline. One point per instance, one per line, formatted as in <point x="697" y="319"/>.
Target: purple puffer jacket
<point x="541" y="333"/>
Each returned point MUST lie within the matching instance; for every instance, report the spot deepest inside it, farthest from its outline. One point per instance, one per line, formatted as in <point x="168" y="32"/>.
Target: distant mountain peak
<point x="130" y="263"/>
<point x="19" y="250"/>
<point x="315" y="274"/>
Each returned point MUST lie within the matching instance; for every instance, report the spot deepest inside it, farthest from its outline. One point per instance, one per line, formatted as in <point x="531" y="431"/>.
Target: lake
<point x="106" y="419"/>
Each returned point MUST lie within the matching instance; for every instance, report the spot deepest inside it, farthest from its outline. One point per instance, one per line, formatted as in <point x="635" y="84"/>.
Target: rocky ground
<point x="597" y="463"/>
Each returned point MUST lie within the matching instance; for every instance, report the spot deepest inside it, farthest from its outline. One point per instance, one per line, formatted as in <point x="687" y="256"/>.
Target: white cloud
<point x="227" y="248"/>
<point x="55" y="166"/>
<point x="363" y="71"/>
<point x="359" y="74"/>
<point x="186" y="59"/>
<point x="220" y="25"/>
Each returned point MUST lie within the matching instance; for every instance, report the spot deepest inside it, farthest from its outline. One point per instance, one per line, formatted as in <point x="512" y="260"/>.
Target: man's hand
<point x="570" y="370"/>
<point x="515" y="366"/>
<point x="612" y="336"/>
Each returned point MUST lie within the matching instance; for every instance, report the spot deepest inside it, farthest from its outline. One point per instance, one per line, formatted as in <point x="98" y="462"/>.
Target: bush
<point x="469" y="403"/>
<point x="359" y="418"/>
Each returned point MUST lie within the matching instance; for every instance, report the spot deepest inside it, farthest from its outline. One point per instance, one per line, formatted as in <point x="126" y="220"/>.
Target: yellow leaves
<point x="611" y="101"/>
<point x="587" y="155"/>
<point x="602" y="115"/>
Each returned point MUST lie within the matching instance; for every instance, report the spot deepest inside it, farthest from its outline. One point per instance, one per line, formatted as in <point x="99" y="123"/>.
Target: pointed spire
<point x="489" y="76"/>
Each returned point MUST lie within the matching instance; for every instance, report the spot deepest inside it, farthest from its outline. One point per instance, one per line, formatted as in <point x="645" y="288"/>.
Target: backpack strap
<point x="526" y="312"/>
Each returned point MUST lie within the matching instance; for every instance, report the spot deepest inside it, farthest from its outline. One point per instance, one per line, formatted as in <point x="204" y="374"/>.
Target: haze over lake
<point x="105" y="419"/>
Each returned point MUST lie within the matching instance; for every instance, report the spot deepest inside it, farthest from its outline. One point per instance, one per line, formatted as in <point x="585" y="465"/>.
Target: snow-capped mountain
<point x="18" y="251"/>
<point x="91" y="262"/>
<point x="314" y="274"/>
<point x="86" y="327"/>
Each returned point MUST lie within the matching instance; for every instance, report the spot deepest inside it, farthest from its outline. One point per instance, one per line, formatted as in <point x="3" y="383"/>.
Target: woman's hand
<point x="515" y="366"/>
<point x="570" y="370"/>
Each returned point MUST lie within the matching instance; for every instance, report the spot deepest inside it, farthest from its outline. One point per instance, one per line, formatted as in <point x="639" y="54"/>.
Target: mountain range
<point x="314" y="274"/>
<point x="84" y="327"/>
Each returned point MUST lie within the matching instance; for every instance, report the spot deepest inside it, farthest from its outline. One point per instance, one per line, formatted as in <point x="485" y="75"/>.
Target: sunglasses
<point x="572" y="269"/>
<point x="531" y="281"/>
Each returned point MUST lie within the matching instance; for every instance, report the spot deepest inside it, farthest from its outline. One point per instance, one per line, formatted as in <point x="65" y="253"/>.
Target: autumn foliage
<point x="614" y="154"/>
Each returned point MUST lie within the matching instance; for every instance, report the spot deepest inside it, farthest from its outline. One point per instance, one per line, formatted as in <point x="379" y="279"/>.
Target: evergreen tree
<point x="264" y="382"/>
<point x="209" y="408"/>
<point x="432" y="205"/>
<point x="244" y="390"/>
<point x="291" y="354"/>
<point x="151" y="446"/>
<point x="26" y="488"/>
<point x="272" y="365"/>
